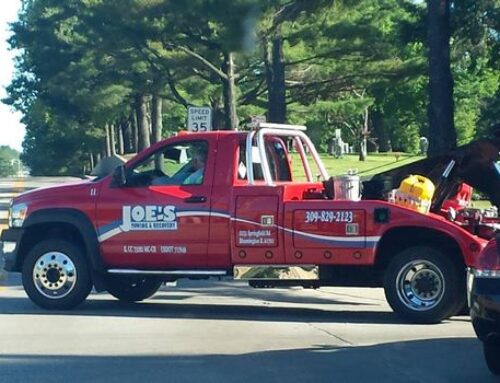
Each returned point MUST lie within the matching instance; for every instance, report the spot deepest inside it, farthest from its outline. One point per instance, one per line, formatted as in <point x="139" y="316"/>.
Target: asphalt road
<point x="205" y="331"/>
<point x="228" y="332"/>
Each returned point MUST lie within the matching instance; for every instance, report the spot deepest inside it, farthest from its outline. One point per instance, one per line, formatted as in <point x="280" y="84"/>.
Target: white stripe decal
<point x="113" y="232"/>
<point x="330" y="238"/>
<point x="202" y="214"/>
<point x="221" y="215"/>
<point x="191" y="213"/>
<point x="247" y="221"/>
<point x="315" y="236"/>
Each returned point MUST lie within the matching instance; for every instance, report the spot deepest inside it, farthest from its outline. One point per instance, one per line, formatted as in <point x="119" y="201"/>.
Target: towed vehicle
<point x="245" y="216"/>
<point x="483" y="283"/>
<point x="472" y="167"/>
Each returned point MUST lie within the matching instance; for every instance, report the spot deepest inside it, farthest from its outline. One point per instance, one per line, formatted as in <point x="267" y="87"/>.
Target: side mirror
<point x="119" y="176"/>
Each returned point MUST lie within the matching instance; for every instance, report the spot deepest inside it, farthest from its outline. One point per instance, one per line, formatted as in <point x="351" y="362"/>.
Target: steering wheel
<point x="155" y="173"/>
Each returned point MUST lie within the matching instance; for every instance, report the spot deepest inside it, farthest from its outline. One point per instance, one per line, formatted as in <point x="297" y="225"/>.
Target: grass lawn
<point x="375" y="163"/>
<point x="481" y="204"/>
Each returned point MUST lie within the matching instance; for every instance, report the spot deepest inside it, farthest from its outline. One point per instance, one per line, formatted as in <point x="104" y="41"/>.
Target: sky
<point x="11" y="129"/>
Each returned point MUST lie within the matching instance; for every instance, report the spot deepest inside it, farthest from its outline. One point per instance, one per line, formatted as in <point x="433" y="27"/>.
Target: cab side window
<point x="182" y="163"/>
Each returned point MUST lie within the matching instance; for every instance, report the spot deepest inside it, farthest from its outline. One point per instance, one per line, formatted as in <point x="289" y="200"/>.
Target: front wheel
<point x="56" y="275"/>
<point x="132" y="288"/>
<point x="423" y="285"/>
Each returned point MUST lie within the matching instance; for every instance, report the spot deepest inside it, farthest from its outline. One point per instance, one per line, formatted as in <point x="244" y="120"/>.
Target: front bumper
<point x="484" y="301"/>
<point x="9" y="248"/>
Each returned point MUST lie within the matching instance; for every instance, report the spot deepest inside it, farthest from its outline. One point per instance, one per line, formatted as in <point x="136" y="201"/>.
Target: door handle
<point x="195" y="199"/>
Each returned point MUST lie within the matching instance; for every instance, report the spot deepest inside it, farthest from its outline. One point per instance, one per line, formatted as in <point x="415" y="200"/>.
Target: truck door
<point x="160" y="218"/>
<point x="257" y="209"/>
<point x="256" y="239"/>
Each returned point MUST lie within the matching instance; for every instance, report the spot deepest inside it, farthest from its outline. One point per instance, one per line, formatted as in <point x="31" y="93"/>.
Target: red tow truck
<point x="246" y="216"/>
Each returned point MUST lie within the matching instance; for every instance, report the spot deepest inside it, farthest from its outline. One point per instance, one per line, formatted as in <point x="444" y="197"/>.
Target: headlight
<point x="17" y="214"/>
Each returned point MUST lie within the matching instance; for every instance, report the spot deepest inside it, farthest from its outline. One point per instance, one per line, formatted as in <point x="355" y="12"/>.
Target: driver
<point x="190" y="174"/>
<point x="198" y="164"/>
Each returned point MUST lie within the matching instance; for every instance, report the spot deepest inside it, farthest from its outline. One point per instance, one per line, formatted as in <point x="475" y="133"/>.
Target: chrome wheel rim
<point x="54" y="275"/>
<point x="420" y="285"/>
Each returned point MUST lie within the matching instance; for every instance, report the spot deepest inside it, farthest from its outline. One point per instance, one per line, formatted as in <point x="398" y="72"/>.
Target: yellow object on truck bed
<point x="415" y="192"/>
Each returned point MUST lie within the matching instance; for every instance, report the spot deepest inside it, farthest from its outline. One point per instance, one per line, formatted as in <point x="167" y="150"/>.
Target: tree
<point x="351" y="54"/>
<point x="463" y="46"/>
<point x="104" y="76"/>
<point x="475" y="56"/>
<point x="9" y="161"/>
<point x="442" y="135"/>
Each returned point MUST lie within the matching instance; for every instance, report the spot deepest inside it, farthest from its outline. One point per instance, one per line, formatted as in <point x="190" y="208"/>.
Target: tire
<point x="132" y="288"/>
<point x="56" y="275"/>
<point x="491" y="350"/>
<point x="423" y="285"/>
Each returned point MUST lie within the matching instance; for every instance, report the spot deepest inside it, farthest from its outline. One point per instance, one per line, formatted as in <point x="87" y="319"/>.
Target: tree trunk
<point x="362" y="149"/>
<point x="156" y="118"/>
<point x="275" y="76"/>
<point x="143" y="140"/>
<point x="91" y="161"/>
<point x="112" y="139"/>
<point x="363" y="142"/>
<point x="442" y="134"/>
<point x="218" y="115"/>
<point x="148" y="117"/>
<point x="120" y="141"/>
<point x="157" y="127"/>
<point x="380" y="130"/>
<point x="229" y="91"/>
<point x="108" y="141"/>
<point x="134" y="136"/>
<point x="127" y="135"/>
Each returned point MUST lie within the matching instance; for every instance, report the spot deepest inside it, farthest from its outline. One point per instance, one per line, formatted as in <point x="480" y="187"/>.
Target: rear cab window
<point x="278" y="158"/>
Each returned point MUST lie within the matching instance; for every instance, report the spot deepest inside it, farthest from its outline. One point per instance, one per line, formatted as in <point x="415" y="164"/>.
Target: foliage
<point x="476" y="65"/>
<point x="9" y="161"/>
<point x="354" y="65"/>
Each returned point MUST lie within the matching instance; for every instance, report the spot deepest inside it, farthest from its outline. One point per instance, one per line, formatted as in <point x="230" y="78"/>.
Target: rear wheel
<point x="491" y="350"/>
<point x="423" y="285"/>
<point x="132" y="288"/>
<point x="56" y="275"/>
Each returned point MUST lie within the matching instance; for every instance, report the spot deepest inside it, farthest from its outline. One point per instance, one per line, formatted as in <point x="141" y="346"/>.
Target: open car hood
<point x="476" y="165"/>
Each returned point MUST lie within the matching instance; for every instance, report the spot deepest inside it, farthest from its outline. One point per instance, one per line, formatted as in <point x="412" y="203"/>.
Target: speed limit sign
<point x="199" y="119"/>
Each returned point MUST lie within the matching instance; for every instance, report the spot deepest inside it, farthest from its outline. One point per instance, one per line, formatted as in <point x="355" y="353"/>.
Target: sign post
<point x="199" y="119"/>
<point x="255" y="120"/>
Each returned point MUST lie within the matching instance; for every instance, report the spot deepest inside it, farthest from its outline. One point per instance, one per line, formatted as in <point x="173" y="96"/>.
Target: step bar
<point x="201" y="273"/>
<point x="243" y="272"/>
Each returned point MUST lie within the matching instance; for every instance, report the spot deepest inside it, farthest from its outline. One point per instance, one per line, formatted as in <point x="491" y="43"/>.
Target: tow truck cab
<point x="245" y="214"/>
